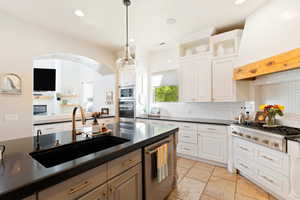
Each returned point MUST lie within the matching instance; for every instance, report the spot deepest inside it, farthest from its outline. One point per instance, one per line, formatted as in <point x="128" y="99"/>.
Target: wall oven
<point x="127" y="110"/>
<point x="39" y="109"/>
<point x="127" y="93"/>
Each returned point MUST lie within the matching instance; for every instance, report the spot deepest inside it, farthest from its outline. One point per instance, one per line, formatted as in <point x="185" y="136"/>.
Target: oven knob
<point x="255" y="138"/>
<point x="276" y="145"/>
<point x="265" y="141"/>
<point x="241" y="134"/>
<point x="248" y="136"/>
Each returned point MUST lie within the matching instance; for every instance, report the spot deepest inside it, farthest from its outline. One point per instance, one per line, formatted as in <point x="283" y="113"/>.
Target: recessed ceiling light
<point x="239" y="2"/>
<point x="131" y="40"/>
<point x="171" y="21"/>
<point x="169" y="60"/>
<point x="79" y="13"/>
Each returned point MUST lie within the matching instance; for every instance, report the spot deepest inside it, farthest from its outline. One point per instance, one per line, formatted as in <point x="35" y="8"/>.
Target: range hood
<point x="270" y="41"/>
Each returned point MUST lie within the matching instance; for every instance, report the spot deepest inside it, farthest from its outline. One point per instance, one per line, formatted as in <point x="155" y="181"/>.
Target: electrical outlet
<point x="11" y="117"/>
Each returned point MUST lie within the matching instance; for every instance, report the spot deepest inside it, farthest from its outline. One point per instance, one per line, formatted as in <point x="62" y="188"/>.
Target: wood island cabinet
<point x="121" y="182"/>
<point x="127" y="186"/>
<point x="99" y="193"/>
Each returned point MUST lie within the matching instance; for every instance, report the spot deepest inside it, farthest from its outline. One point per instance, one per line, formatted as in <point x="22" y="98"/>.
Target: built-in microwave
<point x="127" y="93"/>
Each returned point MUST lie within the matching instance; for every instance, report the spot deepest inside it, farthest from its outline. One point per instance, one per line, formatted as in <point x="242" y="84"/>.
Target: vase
<point x="271" y="120"/>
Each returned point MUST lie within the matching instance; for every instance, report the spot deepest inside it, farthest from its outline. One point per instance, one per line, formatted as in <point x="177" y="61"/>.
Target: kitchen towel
<point x="162" y="163"/>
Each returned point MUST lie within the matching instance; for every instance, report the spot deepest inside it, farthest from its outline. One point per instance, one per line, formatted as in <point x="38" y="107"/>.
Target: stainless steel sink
<point x="58" y="155"/>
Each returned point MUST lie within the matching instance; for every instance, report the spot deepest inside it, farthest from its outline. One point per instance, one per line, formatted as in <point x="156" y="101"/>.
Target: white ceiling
<point x="104" y="22"/>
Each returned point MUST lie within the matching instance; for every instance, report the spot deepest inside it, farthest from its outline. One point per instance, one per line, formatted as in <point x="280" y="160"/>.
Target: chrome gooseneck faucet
<point x="74" y="132"/>
<point x="2" y="150"/>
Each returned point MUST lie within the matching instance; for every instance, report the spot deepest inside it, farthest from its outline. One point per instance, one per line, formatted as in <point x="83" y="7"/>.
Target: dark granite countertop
<point x="294" y="138"/>
<point x="21" y="175"/>
<point x="191" y="120"/>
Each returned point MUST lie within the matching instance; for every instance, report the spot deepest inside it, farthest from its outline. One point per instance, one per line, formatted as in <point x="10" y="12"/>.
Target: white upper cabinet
<point x="224" y="87"/>
<point x="195" y="79"/>
<point x="127" y="76"/>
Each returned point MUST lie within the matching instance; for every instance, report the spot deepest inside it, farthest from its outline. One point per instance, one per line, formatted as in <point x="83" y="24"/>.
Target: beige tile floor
<point x="201" y="181"/>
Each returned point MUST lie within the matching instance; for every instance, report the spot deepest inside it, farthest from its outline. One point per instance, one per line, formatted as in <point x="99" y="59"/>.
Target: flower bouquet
<point x="270" y="112"/>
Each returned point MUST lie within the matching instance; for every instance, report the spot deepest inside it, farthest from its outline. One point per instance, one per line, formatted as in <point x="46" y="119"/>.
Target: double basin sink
<point x="58" y="155"/>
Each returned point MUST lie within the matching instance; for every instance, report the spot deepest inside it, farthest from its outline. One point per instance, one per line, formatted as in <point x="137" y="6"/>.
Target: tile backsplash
<point x="226" y="111"/>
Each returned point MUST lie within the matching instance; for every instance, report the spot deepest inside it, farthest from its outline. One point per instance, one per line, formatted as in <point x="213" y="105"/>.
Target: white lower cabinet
<point x="186" y="148"/>
<point x="265" y="166"/>
<point x="208" y="142"/>
<point x="212" y="143"/>
<point x="212" y="146"/>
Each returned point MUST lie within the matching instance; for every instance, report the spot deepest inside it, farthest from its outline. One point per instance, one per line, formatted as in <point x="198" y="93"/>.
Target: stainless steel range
<point x="274" y="138"/>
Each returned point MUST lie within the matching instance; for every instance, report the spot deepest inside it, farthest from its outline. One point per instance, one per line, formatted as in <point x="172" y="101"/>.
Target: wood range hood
<point x="282" y="62"/>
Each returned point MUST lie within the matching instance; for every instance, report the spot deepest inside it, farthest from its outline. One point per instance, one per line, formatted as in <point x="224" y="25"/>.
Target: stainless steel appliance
<point x="127" y="110"/>
<point x="127" y="93"/>
<point x="274" y="138"/>
<point x="39" y="109"/>
<point x="154" y="189"/>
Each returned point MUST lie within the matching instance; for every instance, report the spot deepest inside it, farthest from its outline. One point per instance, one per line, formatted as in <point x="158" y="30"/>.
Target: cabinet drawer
<point x="187" y="149"/>
<point x="123" y="163"/>
<point x="188" y="126"/>
<point x="276" y="182"/>
<point x="188" y="136"/>
<point x="212" y="128"/>
<point x="244" y="149"/>
<point x="275" y="160"/>
<point x="76" y="186"/>
<point x="245" y="167"/>
<point x="99" y="193"/>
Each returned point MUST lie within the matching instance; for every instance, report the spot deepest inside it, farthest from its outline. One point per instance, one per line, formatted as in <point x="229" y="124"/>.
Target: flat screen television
<point x="44" y="79"/>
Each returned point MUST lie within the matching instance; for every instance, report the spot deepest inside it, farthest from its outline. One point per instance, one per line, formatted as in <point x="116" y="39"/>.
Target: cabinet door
<point x="188" y="78"/>
<point x="196" y="80"/>
<point x="127" y="186"/>
<point x="99" y="193"/>
<point x="212" y="147"/>
<point x="223" y="83"/>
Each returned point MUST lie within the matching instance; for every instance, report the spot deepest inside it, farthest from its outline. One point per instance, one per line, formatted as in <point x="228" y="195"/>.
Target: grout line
<point x="207" y="182"/>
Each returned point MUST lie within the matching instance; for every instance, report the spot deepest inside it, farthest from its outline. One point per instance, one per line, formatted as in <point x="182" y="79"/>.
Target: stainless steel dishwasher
<point x="153" y="189"/>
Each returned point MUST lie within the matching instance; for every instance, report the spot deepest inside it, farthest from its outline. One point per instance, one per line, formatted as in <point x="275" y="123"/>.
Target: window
<point x="166" y="94"/>
<point x="165" y="86"/>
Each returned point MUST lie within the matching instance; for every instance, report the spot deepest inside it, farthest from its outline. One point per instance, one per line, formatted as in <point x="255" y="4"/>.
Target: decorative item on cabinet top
<point x="10" y="83"/>
<point x="282" y="62"/>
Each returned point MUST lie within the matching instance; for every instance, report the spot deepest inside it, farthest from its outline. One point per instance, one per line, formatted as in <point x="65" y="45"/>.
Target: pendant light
<point x="127" y="59"/>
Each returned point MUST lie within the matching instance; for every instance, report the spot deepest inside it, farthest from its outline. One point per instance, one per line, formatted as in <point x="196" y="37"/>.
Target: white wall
<point x="104" y="84"/>
<point x="272" y="30"/>
<point x="20" y="43"/>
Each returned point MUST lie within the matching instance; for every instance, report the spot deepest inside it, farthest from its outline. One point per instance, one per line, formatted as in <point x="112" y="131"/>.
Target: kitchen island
<point x="65" y="177"/>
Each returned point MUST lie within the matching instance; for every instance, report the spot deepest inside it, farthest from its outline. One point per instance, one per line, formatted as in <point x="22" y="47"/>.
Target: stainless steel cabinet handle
<point x="245" y="149"/>
<point x="186" y="136"/>
<point x="267" y="179"/>
<point x="211" y="129"/>
<point x="186" y="149"/>
<point x="244" y="166"/>
<point x="266" y="157"/>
